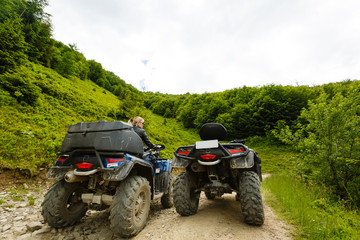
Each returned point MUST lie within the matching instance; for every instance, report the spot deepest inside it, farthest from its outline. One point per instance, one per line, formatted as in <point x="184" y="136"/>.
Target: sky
<point x="198" y="46"/>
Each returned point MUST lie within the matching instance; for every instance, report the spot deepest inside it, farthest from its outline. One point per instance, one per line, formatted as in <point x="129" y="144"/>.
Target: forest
<point x="46" y="85"/>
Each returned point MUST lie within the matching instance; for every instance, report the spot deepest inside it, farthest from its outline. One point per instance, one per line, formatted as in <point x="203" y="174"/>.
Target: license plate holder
<point x="207" y="144"/>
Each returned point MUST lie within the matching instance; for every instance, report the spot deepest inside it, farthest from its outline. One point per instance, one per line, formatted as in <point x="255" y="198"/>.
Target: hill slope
<point x="37" y="105"/>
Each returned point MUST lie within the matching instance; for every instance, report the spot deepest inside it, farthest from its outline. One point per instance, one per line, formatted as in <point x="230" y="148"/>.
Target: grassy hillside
<point x="31" y="131"/>
<point x="168" y="132"/>
<point x="39" y="105"/>
<point x="275" y="158"/>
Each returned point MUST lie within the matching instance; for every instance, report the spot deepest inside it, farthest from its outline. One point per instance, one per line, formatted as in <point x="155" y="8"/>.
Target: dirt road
<point x="216" y="219"/>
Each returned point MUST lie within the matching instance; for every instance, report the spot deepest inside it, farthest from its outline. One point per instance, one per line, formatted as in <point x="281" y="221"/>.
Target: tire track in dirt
<point x="218" y="219"/>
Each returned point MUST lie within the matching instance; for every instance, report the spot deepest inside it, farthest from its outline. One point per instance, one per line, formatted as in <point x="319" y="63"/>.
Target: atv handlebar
<point x="157" y="147"/>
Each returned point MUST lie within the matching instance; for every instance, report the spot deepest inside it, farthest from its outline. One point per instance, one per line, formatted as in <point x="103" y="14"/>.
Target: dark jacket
<point x="141" y="132"/>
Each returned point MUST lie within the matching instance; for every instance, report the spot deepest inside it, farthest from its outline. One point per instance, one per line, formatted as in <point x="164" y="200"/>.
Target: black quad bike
<point x="218" y="168"/>
<point x="104" y="164"/>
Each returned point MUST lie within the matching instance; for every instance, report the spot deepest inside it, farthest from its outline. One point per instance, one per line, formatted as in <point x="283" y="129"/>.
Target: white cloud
<point x="209" y="46"/>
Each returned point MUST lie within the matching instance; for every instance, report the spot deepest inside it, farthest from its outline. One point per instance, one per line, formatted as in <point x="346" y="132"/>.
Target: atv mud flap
<point x="243" y="161"/>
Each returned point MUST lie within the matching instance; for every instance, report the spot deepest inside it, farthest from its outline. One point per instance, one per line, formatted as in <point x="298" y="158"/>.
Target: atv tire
<point x="250" y="198"/>
<point x="130" y="208"/>
<point x="209" y="195"/>
<point x="185" y="200"/>
<point x="62" y="206"/>
<point x="167" y="200"/>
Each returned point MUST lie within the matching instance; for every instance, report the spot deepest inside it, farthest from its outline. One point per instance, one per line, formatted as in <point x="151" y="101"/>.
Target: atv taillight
<point x="113" y="162"/>
<point x="208" y="156"/>
<point x="236" y="150"/>
<point x="84" y="165"/>
<point x="62" y="158"/>
<point x="60" y="161"/>
<point x="184" y="152"/>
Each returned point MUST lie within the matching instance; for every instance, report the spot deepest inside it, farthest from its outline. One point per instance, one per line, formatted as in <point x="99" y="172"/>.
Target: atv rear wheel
<point x="130" y="208"/>
<point x="185" y="200"/>
<point x="62" y="205"/>
<point x="209" y="195"/>
<point x="167" y="200"/>
<point x="250" y="198"/>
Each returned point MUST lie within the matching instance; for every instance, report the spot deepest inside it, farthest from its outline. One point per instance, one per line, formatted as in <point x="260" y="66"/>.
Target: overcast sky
<point x="197" y="46"/>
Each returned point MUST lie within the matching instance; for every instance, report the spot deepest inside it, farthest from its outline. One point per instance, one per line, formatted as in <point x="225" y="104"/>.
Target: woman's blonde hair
<point x="135" y="120"/>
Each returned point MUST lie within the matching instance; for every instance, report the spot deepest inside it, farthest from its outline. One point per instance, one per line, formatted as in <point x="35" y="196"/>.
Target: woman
<point x="138" y="124"/>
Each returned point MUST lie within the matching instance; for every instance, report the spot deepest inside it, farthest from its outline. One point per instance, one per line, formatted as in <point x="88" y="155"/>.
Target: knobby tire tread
<point x="121" y="210"/>
<point x="185" y="203"/>
<point x="167" y="200"/>
<point x="54" y="205"/>
<point x="250" y="198"/>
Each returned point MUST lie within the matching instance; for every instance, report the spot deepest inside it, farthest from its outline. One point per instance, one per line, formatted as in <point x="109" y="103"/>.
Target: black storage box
<point x="106" y="136"/>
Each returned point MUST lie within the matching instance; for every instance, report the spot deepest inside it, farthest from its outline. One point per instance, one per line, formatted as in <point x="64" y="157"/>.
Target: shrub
<point x="20" y="87"/>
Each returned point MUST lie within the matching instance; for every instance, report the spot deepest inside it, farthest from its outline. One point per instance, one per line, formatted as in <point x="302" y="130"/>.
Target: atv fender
<point x="179" y="162"/>
<point x="167" y="178"/>
<point x="121" y="173"/>
<point x="243" y="161"/>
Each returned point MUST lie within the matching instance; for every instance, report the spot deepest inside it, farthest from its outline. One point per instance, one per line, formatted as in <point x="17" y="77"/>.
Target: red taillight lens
<point x="208" y="156"/>
<point x="63" y="158"/>
<point x="236" y="150"/>
<point x="112" y="160"/>
<point x="84" y="165"/>
<point x="184" y="152"/>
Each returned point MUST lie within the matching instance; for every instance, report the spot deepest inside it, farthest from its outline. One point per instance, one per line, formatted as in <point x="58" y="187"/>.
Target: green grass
<point x="274" y="158"/>
<point x="310" y="209"/>
<point x="2" y="200"/>
<point x="31" y="200"/>
<point x="8" y="206"/>
<point x="168" y="132"/>
<point x="20" y="194"/>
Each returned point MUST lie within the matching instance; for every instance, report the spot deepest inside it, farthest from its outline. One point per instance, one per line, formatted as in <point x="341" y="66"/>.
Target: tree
<point x="12" y="44"/>
<point x="10" y="9"/>
<point x="96" y="73"/>
<point x="329" y="142"/>
<point x="67" y="61"/>
<point x="35" y="25"/>
<point x="38" y="31"/>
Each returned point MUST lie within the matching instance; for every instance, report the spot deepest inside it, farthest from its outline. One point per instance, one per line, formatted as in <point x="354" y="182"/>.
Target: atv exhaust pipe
<point x="70" y="177"/>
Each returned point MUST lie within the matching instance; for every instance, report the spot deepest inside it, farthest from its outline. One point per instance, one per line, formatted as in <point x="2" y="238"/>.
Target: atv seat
<point x="212" y="131"/>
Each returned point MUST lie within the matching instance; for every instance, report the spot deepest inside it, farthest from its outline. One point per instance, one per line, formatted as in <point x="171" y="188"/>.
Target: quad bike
<point x="101" y="165"/>
<point x="218" y="168"/>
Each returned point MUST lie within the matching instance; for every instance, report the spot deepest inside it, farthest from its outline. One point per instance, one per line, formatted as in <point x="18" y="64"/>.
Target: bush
<point x="20" y="87"/>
